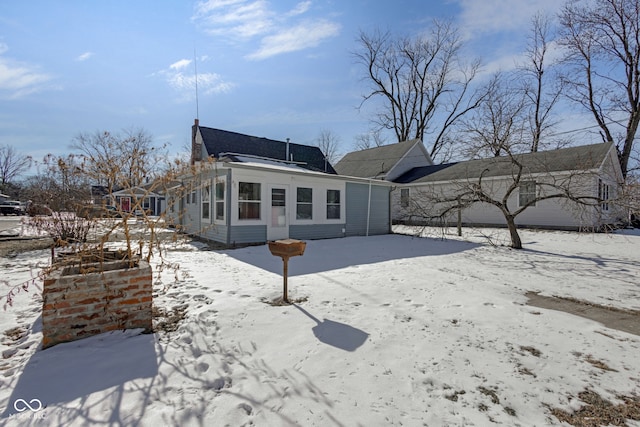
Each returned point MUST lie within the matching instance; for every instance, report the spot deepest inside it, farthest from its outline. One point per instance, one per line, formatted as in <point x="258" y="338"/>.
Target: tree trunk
<point x="516" y="243"/>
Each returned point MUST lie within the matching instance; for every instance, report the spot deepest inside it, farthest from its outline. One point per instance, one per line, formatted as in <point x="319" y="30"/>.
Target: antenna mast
<point x="195" y="64"/>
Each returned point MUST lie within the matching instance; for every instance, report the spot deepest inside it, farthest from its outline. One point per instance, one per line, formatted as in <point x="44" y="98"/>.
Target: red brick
<point x="72" y="310"/>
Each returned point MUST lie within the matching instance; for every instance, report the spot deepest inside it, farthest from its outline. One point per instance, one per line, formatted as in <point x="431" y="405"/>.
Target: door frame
<point x="277" y="232"/>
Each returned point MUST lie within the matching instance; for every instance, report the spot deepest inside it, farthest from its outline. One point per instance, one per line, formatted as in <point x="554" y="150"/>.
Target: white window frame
<point x="603" y="195"/>
<point x="257" y="201"/>
<point x="334" y="205"/>
<point x="404" y="197"/>
<point x="527" y="192"/>
<point x="220" y="201"/>
<point x="305" y="203"/>
<point x="205" y="197"/>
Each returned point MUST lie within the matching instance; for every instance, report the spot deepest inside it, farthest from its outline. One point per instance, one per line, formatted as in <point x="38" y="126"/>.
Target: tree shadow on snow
<point x="336" y="334"/>
<point x="333" y="254"/>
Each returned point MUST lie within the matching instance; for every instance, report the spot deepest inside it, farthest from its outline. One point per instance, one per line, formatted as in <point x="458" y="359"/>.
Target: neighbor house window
<point x="527" y="193"/>
<point x="333" y="204"/>
<point x="206" y="201"/>
<point x="220" y="201"/>
<point x="404" y="197"/>
<point x="248" y="200"/>
<point x="603" y="195"/>
<point x="304" y="203"/>
<point x="193" y="196"/>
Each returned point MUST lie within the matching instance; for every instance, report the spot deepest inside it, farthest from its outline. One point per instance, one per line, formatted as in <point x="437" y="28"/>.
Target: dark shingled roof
<point x="373" y="162"/>
<point x="218" y="141"/>
<point x="585" y="157"/>
<point x="420" y="172"/>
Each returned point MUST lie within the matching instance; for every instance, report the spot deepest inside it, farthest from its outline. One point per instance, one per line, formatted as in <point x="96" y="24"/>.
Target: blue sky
<point x="278" y="69"/>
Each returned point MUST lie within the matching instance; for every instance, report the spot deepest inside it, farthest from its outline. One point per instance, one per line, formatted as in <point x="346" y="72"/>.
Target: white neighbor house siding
<point x="552" y="213"/>
<point x="416" y="157"/>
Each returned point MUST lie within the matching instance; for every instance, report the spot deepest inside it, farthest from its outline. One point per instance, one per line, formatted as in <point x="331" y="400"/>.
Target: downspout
<point x="227" y="197"/>
<point x="369" y="209"/>
<point x="391" y="190"/>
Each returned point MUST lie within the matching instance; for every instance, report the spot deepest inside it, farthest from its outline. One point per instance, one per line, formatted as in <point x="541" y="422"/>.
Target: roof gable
<point x="219" y="142"/>
<point x="378" y="161"/>
<point x="586" y="157"/>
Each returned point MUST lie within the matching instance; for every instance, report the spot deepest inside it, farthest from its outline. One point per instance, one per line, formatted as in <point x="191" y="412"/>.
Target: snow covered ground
<point x="390" y="330"/>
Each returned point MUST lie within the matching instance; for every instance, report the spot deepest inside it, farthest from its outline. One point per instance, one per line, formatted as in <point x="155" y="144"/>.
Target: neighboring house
<point x="142" y="198"/>
<point x="3" y="197"/>
<point x="386" y="162"/>
<point x="591" y="171"/>
<point x="242" y="189"/>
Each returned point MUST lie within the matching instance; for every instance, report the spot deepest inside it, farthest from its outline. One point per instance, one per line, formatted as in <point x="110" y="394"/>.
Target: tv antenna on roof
<point x="195" y="65"/>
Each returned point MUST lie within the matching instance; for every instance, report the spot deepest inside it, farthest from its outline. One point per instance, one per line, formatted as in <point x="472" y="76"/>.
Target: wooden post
<point x="285" y="295"/>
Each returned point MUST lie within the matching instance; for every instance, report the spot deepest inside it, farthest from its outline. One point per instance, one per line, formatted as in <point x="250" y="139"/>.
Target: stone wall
<point x="81" y="304"/>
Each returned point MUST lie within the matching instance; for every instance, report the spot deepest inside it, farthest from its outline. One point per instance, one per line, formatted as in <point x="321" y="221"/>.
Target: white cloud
<point x="84" y="56"/>
<point x="19" y="79"/>
<point x="185" y="82"/>
<point x="235" y="18"/>
<point x="300" y="8"/>
<point x="301" y="37"/>
<point x="279" y="32"/>
<point x="179" y="65"/>
<point x="479" y="16"/>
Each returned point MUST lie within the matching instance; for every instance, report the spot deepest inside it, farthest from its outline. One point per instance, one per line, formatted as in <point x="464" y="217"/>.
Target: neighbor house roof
<point x="586" y="157"/>
<point x="221" y="142"/>
<point x="374" y="162"/>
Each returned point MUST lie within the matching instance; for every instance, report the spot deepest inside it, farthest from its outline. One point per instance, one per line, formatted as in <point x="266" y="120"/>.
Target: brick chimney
<point x="196" y="148"/>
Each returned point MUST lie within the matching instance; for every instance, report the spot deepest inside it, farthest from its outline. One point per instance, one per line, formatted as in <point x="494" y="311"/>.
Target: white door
<point x="278" y="221"/>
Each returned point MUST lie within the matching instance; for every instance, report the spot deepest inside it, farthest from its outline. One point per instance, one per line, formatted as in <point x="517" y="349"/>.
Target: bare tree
<point x="60" y="184"/>
<point x="329" y="144"/>
<point x="512" y="183"/>
<point x="496" y="127"/>
<point x="422" y="81"/>
<point x="542" y="86"/>
<point x="603" y="43"/>
<point x="12" y="164"/>
<point x="369" y="140"/>
<point x="116" y="160"/>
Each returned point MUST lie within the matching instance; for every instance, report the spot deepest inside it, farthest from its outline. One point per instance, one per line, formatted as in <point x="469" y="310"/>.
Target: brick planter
<point x="100" y="298"/>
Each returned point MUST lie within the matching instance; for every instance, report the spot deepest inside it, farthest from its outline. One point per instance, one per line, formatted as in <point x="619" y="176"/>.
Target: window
<point x="304" y="203"/>
<point x="404" y="197"/>
<point x="527" y="193"/>
<point x="248" y="200"/>
<point x="206" y="201"/>
<point x="220" y="201"/>
<point x="333" y="204"/>
<point x="603" y="195"/>
<point x="193" y="196"/>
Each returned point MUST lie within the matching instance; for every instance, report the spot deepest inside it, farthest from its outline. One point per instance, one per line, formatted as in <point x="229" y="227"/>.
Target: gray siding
<point x="316" y="231"/>
<point x="215" y="232"/>
<point x="357" y="207"/>
<point x="240" y="234"/>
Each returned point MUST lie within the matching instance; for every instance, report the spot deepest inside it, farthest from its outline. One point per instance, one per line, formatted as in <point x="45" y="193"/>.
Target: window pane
<point x="333" y="211"/>
<point x="333" y="196"/>
<point x="248" y="191"/>
<point x="220" y="190"/>
<point x="278" y="197"/>
<point x="220" y="210"/>
<point x="305" y="195"/>
<point x="249" y="210"/>
<point x="304" y="211"/>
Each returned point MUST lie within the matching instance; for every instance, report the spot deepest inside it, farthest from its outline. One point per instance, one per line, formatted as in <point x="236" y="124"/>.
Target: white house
<point x="243" y="189"/>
